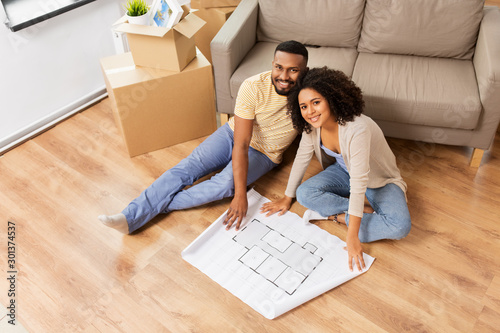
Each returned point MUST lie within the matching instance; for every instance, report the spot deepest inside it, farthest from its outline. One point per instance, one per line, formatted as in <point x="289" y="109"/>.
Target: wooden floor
<point x="76" y="275"/>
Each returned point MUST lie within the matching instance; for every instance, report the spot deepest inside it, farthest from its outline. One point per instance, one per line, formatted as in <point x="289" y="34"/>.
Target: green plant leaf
<point x="136" y="7"/>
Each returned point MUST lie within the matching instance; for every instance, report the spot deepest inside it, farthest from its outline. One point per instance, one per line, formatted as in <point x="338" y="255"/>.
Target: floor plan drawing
<point x="273" y="263"/>
<point x="278" y="259"/>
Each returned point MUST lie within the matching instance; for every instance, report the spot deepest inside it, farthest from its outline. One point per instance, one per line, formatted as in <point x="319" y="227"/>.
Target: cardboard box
<point x="156" y="108"/>
<point x="162" y="48"/>
<point x="198" y="4"/>
<point x="215" y="19"/>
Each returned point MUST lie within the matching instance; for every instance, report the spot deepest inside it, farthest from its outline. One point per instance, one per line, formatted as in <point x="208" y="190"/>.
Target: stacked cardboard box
<point x="163" y="48"/>
<point x="215" y="13"/>
<point x="162" y="92"/>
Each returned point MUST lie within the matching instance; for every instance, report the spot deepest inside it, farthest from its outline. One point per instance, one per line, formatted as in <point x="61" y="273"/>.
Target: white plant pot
<point x="140" y="20"/>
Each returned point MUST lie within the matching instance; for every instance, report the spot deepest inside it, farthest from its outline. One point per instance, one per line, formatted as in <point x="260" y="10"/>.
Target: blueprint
<point x="274" y="263"/>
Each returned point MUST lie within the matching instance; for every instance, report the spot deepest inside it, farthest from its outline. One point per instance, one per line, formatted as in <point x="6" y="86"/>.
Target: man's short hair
<point x="294" y="47"/>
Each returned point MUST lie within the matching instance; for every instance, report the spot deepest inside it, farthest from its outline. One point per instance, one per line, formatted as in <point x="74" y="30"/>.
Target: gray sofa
<point x="429" y="69"/>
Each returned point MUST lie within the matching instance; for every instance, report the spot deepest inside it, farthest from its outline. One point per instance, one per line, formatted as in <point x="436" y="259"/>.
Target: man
<point x="248" y="146"/>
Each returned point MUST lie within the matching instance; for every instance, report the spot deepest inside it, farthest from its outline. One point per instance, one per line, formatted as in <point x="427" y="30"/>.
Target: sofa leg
<point x="477" y="155"/>
<point x="224" y="118"/>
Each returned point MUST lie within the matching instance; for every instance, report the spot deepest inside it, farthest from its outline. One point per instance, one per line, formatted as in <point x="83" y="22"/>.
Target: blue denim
<point x="166" y="193"/>
<point x="328" y="193"/>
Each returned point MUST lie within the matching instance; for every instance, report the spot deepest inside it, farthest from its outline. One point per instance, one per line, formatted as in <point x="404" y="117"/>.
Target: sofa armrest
<point x="233" y="41"/>
<point x="487" y="66"/>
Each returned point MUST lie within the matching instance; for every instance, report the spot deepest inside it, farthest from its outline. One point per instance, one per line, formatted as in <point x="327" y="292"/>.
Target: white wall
<point x="50" y="69"/>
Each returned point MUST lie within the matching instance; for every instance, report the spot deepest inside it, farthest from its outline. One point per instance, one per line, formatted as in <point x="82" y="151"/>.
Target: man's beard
<point x="282" y="92"/>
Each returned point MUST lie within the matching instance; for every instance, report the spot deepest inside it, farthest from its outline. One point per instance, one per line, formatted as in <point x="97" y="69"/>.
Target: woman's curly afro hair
<point x="343" y="96"/>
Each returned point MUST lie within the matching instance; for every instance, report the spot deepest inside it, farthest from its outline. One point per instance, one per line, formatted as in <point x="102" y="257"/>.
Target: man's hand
<point x="242" y="136"/>
<point x="281" y="205"/>
<point x="236" y="212"/>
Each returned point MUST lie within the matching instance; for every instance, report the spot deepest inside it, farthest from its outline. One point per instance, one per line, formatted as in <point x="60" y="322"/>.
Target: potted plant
<point x="137" y="12"/>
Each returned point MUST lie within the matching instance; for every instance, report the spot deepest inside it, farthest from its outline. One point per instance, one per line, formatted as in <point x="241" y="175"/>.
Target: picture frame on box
<point x="165" y="13"/>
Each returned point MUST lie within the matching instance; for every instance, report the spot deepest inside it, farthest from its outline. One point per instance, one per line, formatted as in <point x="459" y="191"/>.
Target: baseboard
<point x="38" y="127"/>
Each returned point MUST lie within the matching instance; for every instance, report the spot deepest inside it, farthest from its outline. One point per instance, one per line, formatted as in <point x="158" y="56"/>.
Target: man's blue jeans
<point x="328" y="193"/>
<point x="166" y="193"/>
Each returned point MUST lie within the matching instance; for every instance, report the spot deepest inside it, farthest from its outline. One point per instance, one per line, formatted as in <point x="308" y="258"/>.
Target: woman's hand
<point x="281" y="205"/>
<point x="355" y="252"/>
<point x="354" y="249"/>
<point x="236" y="212"/>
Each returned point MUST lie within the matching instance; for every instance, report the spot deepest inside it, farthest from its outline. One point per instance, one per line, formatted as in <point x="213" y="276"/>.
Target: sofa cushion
<point x="260" y="57"/>
<point x="335" y="23"/>
<point x="419" y="90"/>
<point x="434" y="28"/>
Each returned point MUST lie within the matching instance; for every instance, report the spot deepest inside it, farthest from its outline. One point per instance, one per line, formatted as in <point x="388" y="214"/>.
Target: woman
<point x="357" y="161"/>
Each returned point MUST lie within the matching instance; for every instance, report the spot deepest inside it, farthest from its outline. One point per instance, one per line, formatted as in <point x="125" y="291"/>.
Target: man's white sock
<point x="118" y="222"/>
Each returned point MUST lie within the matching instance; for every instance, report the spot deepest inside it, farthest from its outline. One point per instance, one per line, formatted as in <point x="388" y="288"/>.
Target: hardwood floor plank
<point x="488" y="321"/>
<point x="492" y="3"/>
<point x="492" y="296"/>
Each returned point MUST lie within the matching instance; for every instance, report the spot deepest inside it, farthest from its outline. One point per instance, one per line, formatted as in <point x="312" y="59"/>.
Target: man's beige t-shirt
<point x="273" y="131"/>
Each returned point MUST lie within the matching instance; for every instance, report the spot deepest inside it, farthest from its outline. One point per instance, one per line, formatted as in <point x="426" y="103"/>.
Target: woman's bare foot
<point x="341" y="217"/>
<point x="368" y="209"/>
<point x="311" y="215"/>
